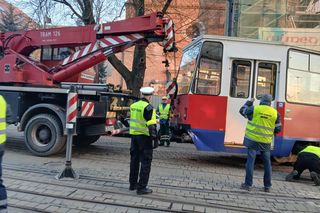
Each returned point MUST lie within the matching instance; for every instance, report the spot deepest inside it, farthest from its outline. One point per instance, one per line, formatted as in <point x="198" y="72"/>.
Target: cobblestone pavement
<point x="183" y="180"/>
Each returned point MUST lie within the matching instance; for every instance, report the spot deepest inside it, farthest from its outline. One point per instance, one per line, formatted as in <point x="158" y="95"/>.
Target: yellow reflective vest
<point x="3" y="124"/>
<point x="261" y="127"/>
<point x="138" y="124"/>
<point x="312" y="149"/>
<point x="164" y="112"/>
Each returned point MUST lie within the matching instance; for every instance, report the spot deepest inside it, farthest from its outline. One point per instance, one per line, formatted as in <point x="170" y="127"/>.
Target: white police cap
<point x="147" y="90"/>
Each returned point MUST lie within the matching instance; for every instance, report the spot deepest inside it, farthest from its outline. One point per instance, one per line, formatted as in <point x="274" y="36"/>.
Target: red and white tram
<point x="219" y="74"/>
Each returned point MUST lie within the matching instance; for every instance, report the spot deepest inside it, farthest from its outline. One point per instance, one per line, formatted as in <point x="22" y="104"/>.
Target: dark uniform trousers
<point x="164" y="133"/>
<point x="3" y="191"/>
<point x="308" y="161"/>
<point x="141" y="153"/>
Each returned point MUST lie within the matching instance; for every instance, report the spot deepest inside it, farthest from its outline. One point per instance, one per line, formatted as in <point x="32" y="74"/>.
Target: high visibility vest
<point x="261" y="127"/>
<point x="164" y="112"/>
<point x="3" y="124"/>
<point x="138" y="124"/>
<point x="312" y="149"/>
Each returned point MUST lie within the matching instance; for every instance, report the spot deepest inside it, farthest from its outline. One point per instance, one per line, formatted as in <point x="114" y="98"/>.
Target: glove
<point x="155" y="143"/>
<point x="153" y="135"/>
<point x="153" y="131"/>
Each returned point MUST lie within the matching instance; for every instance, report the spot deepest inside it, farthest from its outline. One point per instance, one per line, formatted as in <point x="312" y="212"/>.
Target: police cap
<point x="147" y="90"/>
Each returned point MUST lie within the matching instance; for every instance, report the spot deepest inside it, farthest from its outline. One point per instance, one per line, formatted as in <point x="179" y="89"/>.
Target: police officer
<point x="308" y="158"/>
<point x="143" y="133"/>
<point x="5" y="116"/>
<point x="263" y="123"/>
<point x="163" y="111"/>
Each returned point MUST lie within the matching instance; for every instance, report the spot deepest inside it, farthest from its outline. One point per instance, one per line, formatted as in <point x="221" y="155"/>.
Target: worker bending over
<point x="308" y="158"/>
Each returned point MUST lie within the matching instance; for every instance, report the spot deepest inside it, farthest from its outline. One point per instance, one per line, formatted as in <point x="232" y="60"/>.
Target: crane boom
<point x="87" y="46"/>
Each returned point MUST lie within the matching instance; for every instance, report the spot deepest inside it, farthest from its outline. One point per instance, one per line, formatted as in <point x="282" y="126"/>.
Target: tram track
<point x="24" y="209"/>
<point x="118" y="204"/>
<point x="167" y="186"/>
<point x="168" y="198"/>
<point x="164" y="192"/>
<point x="96" y="154"/>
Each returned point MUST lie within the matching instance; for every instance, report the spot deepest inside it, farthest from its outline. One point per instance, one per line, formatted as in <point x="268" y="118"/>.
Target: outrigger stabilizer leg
<point x="68" y="172"/>
<point x="72" y="104"/>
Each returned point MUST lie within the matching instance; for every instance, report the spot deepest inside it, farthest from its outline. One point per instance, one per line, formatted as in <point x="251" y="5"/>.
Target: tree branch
<point x="166" y="6"/>
<point x="120" y="14"/>
<point x="80" y="5"/>
<point x="120" y="67"/>
<point x="70" y="6"/>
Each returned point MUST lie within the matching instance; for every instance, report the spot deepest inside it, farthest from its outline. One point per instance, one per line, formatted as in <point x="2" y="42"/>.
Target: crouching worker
<point x="143" y="133"/>
<point x="308" y="158"/>
<point x="263" y="123"/>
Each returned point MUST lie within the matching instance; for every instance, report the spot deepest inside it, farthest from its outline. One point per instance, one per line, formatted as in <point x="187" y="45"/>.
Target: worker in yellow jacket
<point x="163" y="111"/>
<point x="144" y="139"/>
<point x="5" y="116"/>
<point x="263" y="123"/>
<point x="308" y="158"/>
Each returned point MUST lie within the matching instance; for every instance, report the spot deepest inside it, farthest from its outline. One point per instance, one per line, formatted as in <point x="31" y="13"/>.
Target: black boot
<point x="133" y="187"/>
<point x="316" y="178"/>
<point x="293" y="176"/>
<point x="144" y="191"/>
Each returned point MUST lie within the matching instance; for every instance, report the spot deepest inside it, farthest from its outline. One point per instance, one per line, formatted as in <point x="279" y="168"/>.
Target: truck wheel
<point x="44" y="135"/>
<point x="185" y="138"/>
<point x="82" y="141"/>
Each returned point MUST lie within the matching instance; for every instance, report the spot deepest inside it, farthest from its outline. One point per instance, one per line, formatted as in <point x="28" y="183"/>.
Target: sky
<point x="61" y="14"/>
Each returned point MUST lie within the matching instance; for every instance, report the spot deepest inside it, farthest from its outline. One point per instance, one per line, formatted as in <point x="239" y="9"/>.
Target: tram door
<point x="249" y="79"/>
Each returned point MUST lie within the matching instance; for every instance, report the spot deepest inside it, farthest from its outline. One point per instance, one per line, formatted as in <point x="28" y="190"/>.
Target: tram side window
<point x="187" y="68"/>
<point x="210" y="68"/>
<point x="266" y="79"/>
<point x="240" y="79"/>
<point x="303" y="81"/>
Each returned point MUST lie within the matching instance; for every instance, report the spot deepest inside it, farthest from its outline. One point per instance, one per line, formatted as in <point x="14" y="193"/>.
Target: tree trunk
<point x="87" y="15"/>
<point x="138" y="69"/>
<point x="139" y="57"/>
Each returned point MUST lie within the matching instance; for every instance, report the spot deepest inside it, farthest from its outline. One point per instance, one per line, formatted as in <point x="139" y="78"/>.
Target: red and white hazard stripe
<point x="169" y="38"/>
<point x="72" y="107"/>
<point x="102" y="43"/>
<point x="171" y="88"/>
<point x="87" y="108"/>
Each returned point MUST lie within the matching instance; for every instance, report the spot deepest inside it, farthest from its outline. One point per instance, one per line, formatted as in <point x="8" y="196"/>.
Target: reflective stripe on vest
<point x="138" y="125"/>
<point x="164" y="113"/>
<point x="312" y="149"/>
<point x="261" y="128"/>
<point x="3" y="124"/>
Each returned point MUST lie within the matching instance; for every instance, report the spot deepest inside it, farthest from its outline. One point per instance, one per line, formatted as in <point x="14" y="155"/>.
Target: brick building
<point x="20" y="18"/>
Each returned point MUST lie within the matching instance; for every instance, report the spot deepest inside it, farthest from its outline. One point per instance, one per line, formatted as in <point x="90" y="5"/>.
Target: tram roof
<point x="248" y="40"/>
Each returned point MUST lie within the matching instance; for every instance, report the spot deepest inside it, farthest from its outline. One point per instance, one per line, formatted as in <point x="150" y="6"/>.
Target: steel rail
<point x="165" y="197"/>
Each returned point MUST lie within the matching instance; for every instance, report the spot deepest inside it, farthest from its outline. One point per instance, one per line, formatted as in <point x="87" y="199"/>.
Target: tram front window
<point x="208" y="75"/>
<point x="187" y="68"/>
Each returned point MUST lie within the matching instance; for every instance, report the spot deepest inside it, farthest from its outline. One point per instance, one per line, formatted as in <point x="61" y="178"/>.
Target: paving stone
<point x="179" y="166"/>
